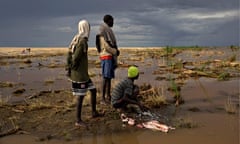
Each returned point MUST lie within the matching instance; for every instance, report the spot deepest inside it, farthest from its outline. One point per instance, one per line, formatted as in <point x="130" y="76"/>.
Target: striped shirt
<point x="121" y="89"/>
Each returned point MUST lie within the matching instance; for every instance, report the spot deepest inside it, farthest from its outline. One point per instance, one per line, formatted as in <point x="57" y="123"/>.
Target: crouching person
<point x="125" y="93"/>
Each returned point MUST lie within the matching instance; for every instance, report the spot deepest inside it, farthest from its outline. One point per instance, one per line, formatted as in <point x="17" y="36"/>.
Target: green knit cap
<point x="132" y="71"/>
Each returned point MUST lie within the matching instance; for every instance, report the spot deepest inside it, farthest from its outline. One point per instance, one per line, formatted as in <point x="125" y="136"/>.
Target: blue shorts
<point x="107" y="68"/>
<point x="80" y="88"/>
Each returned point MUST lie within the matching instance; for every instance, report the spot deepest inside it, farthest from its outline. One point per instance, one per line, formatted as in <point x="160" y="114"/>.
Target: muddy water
<point x="32" y="80"/>
<point x="33" y="77"/>
<point x="207" y="96"/>
<point x="210" y="97"/>
<point x="214" y="125"/>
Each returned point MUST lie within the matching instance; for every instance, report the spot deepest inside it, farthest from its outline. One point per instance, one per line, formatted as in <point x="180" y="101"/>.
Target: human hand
<point x="68" y="74"/>
<point x="144" y="108"/>
<point x="118" y="52"/>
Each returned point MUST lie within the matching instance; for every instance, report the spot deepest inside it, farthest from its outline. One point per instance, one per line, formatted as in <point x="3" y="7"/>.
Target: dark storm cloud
<point x="60" y="8"/>
<point x="42" y="8"/>
<point x="192" y="23"/>
<point x="137" y="22"/>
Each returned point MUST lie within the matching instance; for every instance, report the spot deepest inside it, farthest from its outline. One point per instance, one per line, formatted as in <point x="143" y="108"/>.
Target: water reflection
<point x="127" y="136"/>
<point x="35" y="74"/>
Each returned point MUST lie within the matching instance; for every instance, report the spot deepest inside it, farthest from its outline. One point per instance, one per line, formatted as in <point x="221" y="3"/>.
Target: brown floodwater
<point x="214" y="125"/>
<point x="205" y="103"/>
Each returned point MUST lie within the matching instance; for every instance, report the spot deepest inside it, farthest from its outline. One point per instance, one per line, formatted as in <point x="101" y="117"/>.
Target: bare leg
<point x="79" y="122"/>
<point x="94" y="103"/>
<point x="109" y="90"/>
<point x="104" y="86"/>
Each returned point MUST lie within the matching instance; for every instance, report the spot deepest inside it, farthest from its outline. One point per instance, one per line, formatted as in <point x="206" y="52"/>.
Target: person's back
<point x="122" y="88"/>
<point x="77" y="61"/>
<point x="79" y="70"/>
<point x="125" y="93"/>
<point x="106" y="51"/>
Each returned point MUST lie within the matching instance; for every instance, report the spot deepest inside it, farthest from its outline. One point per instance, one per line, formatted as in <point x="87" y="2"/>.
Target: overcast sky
<point x="48" y="23"/>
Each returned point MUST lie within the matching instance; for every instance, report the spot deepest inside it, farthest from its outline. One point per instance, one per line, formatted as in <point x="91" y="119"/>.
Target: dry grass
<point x="49" y="81"/>
<point x="38" y="105"/>
<point x="230" y="107"/>
<point x="4" y="100"/>
<point x="17" y="52"/>
<point x="154" y="97"/>
<point x="6" y="84"/>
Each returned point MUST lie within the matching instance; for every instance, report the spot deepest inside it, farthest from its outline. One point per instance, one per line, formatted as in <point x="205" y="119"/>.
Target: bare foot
<point x="104" y="102"/>
<point x="97" y="114"/>
<point x="81" y="124"/>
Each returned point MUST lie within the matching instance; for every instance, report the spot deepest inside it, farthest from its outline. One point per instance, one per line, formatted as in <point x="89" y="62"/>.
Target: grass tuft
<point x="230" y="107"/>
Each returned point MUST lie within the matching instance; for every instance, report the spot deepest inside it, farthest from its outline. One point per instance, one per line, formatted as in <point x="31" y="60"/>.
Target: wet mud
<point x="194" y="90"/>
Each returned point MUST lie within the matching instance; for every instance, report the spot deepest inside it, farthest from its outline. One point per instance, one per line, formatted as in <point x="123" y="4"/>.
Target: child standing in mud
<point x="78" y="70"/>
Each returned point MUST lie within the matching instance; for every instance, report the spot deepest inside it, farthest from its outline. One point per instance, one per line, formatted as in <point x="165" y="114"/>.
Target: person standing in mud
<point x="126" y="92"/>
<point x="77" y="63"/>
<point x="108" y="54"/>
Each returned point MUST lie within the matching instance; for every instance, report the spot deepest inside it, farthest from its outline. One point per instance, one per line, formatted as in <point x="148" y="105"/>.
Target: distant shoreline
<point x="23" y="51"/>
<point x="66" y="47"/>
<point x="34" y="50"/>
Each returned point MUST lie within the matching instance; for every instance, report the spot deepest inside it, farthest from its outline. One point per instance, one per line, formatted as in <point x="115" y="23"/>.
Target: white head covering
<point x="83" y="31"/>
<point x="83" y="28"/>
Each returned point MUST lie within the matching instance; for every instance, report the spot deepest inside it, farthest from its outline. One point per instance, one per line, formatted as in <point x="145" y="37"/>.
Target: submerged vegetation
<point x="223" y="76"/>
<point x="156" y="99"/>
<point x="230" y="107"/>
<point x="185" y="123"/>
<point x="6" y="84"/>
<point x="171" y="67"/>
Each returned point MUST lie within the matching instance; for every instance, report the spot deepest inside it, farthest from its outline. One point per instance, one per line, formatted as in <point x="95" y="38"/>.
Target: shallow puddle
<point x="205" y="104"/>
